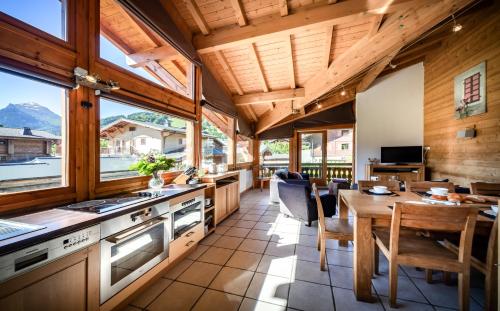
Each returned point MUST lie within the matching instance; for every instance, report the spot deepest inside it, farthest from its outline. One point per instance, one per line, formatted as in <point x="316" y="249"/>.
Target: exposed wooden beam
<point x="375" y="26"/>
<point x="161" y="53"/>
<point x="332" y="1"/>
<point x="283" y="7"/>
<point x="269" y="97"/>
<point x="223" y="62"/>
<point x="374" y="72"/>
<point x="290" y="64"/>
<point x="166" y="77"/>
<point x="258" y="65"/>
<point x="304" y="19"/>
<point x="197" y="16"/>
<point x="398" y="30"/>
<point x="273" y="116"/>
<point x="251" y="113"/>
<point x="219" y="123"/>
<point x="239" y="12"/>
<point x="178" y="19"/>
<point x="328" y="46"/>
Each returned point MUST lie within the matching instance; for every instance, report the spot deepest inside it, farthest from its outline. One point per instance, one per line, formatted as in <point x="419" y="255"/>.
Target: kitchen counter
<point x="211" y="178"/>
<point x="60" y="221"/>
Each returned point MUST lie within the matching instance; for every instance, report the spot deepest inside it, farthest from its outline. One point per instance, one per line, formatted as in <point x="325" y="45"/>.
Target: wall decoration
<point x="470" y="92"/>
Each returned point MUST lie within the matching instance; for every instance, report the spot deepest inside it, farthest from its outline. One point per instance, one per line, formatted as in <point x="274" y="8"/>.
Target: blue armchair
<point x="296" y="199"/>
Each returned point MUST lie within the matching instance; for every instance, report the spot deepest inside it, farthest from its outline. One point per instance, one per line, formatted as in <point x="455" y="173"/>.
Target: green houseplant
<point x="150" y="165"/>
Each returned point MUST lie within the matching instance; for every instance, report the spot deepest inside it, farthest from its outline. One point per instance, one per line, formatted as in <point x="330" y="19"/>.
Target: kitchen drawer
<point x="182" y="244"/>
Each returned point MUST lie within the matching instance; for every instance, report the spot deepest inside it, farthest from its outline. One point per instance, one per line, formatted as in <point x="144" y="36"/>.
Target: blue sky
<point x="16" y="90"/>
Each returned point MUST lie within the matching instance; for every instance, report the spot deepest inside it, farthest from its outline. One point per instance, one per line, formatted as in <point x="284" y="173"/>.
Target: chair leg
<point x="318" y="238"/>
<point x="463" y="290"/>
<point x="447" y="277"/>
<point x="375" y="258"/>
<point x="322" y="255"/>
<point x="308" y="223"/>
<point x="393" y="283"/>
<point x="428" y="275"/>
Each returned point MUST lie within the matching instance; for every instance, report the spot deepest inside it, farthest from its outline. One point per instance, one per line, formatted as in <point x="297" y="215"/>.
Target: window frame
<point x="238" y="164"/>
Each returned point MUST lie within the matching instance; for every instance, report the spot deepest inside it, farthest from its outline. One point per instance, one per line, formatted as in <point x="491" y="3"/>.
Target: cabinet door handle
<point x="189" y="233"/>
<point x="189" y="243"/>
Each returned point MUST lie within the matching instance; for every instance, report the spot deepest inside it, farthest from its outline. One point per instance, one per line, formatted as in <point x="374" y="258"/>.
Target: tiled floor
<point x="260" y="260"/>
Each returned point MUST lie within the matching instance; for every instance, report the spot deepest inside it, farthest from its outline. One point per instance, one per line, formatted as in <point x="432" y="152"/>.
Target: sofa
<point x="296" y="198"/>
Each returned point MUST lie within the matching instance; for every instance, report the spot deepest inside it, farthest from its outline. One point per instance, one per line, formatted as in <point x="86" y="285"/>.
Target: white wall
<point x="390" y="113"/>
<point x="246" y="180"/>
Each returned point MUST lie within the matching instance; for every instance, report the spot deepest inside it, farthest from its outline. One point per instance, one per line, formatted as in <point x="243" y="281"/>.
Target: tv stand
<point x="402" y="172"/>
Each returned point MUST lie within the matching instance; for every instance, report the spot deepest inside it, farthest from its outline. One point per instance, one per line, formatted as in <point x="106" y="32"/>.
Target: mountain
<point x="32" y="115"/>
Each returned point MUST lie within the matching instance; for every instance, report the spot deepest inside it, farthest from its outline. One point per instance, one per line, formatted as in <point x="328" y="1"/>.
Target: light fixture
<point x="456" y="26"/>
<point x="318" y="105"/>
<point x="343" y="92"/>
<point x="393" y="66"/>
<point x="295" y="111"/>
<point x="82" y="77"/>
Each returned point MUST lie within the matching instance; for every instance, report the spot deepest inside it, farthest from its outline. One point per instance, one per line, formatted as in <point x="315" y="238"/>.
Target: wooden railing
<point x="333" y="170"/>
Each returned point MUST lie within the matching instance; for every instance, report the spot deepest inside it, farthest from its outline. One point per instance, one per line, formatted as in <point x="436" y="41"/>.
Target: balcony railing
<point x="333" y="170"/>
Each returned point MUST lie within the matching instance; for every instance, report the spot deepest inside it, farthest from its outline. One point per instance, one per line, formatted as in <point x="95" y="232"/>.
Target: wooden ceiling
<point x="277" y="56"/>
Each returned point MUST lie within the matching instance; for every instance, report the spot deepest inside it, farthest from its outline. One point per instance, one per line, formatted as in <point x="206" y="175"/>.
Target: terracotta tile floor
<point x="260" y="260"/>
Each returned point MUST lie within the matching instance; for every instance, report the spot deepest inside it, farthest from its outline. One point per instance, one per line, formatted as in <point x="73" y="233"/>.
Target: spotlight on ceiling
<point x="393" y="66"/>
<point x="456" y="26"/>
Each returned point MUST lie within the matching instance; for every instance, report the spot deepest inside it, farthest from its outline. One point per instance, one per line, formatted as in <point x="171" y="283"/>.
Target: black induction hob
<point x="100" y="206"/>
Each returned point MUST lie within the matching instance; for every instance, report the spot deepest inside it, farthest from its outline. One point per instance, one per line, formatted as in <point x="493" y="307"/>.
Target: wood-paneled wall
<point x="464" y="160"/>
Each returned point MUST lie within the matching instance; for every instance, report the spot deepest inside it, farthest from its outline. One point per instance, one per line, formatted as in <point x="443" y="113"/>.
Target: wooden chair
<point x="489" y="267"/>
<point x="392" y="185"/>
<point x="330" y="228"/>
<point x="423" y="186"/>
<point x="418" y="251"/>
<point x="484" y="188"/>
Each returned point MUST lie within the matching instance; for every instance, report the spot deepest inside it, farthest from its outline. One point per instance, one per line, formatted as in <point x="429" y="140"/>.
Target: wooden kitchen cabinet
<point x="220" y="203"/>
<point x="233" y="197"/>
<point x="68" y="283"/>
<point x="182" y="244"/>
<point x="227" y="193"/>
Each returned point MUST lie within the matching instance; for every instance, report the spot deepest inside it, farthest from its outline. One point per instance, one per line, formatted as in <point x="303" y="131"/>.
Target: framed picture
<point x="470" y="92"/>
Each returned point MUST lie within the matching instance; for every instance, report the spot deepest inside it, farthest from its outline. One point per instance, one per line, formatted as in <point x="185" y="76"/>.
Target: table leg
<point x="261" y="185"/>
<point x="363" y="258"/>
<point x="343" y="214"/>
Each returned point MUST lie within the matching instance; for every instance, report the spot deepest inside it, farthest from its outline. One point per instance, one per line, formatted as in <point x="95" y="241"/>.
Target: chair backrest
<point x="423" y="186"/>
<point x="485" y="188"/>
<point x="392" y="185"/>
<point x="492" y="253"/>
<point x="434" y="218"/>
<point x="321" y="214"/>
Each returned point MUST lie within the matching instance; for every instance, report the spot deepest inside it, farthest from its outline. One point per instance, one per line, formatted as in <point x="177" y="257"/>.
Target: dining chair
<point x="415" y="250"/>
<point x="392" y="185"/>
<point x="484" y="188"/>
<point x="424" y="186"/>
<point x="330" y="228"/>
<point x="487" y="266"/>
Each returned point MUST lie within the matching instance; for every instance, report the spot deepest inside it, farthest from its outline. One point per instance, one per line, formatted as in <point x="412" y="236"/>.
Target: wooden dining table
<point x="373" y="211"/>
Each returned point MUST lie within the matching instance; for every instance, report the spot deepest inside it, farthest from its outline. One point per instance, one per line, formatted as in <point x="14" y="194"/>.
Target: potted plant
<point x="151" y="165"/>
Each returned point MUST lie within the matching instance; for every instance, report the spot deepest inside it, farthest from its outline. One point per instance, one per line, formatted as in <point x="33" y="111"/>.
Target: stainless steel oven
<point x="186" y="215"/>
<point x="128" y="254"/>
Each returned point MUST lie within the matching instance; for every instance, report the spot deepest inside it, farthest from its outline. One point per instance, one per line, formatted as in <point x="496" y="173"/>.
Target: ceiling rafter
<point x="239" y="12"/>
<point x="332" y="1"/>
<point x="223" y="62"/>
<point x="375" y="26"/>
<point x="269" y="97"/>
<point x="328" y="46"/>
<point x="197" y="16"/>
<point x="258" y="65"/>
<point x="374" y="72"/>
<point x="283" y="7"/>
<point x="273" y="26"/>
<point x="398" y="30"/>
<point x="290" y="64"/>
<point x="161" y="53"/>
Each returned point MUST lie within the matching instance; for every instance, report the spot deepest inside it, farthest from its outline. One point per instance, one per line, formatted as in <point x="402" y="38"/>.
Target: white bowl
<point x="379" y="189"/>
<point x="439" y="191"/>
<point x="495" y="208"/>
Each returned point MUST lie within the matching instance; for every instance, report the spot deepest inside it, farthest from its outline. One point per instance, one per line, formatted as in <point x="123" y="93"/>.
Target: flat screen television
<point x="401" y="155"/>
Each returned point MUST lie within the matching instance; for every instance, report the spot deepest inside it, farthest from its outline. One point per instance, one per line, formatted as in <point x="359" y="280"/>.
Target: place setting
<point x="380" y="190"/>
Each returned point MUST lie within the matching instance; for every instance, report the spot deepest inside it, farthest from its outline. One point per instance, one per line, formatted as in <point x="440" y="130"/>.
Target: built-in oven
<point x="186" y="215"/>
<point x="128" y="254"/>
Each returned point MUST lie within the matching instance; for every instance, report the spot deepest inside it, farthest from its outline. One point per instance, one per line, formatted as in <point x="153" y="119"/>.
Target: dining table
<point x="369" y="211"/>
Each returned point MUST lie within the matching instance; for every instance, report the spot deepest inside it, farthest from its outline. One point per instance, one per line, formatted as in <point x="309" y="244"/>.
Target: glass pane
<point x="339" y="154"/>
<point x="128" y="256"/>
<point x="32" y="134"/>
<point x="46" y="15"/>
<point x="244" y="150"/>
<point x="312" y="154"/>
<point x="127" y="133"/>
<point x="274" y="155"/>
<point x="130" y="44"/>
<point x="216" y="144"/>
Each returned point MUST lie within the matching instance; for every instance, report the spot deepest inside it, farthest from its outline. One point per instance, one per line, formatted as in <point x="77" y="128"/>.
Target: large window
<point x="274" y="154"/>
<point x="311" y="155"/>
<point x="46" y="15"/>
<point x="128" y="132"/>
<point x="217" y="142"/>
<point x="244" y="149"/>
<point x="128" y="43"/>
<point x="32" y="134"/>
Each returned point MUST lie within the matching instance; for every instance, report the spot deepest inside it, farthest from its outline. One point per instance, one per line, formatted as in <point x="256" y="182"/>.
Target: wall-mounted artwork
<point x="470" y="92"/>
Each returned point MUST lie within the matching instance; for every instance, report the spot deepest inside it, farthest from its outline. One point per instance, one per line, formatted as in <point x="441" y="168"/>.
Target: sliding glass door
<point x="312" y="154"/>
